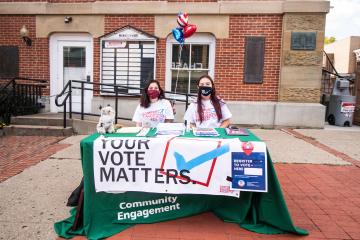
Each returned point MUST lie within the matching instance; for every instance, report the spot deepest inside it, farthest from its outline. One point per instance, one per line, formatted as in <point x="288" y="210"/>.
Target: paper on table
<point x="210" y="132"/>
<point x="143" y="132"/>
<point x="170" y="129"/>
<point x="129" y="130"/>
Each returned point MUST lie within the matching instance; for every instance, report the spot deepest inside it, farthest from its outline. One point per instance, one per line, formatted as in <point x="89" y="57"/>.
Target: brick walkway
<point x="325" y="200"/>
<point x="20" y="152"/>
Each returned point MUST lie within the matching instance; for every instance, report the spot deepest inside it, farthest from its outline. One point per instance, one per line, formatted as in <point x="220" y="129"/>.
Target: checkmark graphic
<point x="181" y="163"/>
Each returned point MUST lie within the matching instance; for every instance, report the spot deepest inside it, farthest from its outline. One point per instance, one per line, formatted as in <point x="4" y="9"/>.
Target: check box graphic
<point x="198" y="156"/>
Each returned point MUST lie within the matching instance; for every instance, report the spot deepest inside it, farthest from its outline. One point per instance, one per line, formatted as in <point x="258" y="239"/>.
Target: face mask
<point x="153" y="93"/>
<point x="205" y="91"/>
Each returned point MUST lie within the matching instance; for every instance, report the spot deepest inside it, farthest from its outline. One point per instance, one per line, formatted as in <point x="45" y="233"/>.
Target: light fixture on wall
<point x="24" y="33"/>
<point x="68" y="19"/>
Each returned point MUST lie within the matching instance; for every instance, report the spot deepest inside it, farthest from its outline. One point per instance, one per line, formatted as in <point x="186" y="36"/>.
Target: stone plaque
<point x="303" y="40"/>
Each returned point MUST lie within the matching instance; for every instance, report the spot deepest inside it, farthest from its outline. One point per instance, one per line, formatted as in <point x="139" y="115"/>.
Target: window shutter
<point x="254" y="59"/>
<point x="9" y="61"/>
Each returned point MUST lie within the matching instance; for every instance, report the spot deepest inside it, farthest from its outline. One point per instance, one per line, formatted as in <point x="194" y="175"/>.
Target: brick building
<point x="265" y="56"/>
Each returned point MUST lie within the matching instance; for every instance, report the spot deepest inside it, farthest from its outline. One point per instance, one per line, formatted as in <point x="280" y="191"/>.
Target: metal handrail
<point x="21" y="97"/>
<point x="326" y="81"/>
<point x="63" y="103"/>
<point x="116" y="91"/>
<point x="62" y="93"/>
<point x="32" y="79"/>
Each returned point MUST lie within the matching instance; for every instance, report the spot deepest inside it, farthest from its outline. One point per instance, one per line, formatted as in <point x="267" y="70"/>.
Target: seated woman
<point x="209" y="111"/>
<point x="153" y="108"/>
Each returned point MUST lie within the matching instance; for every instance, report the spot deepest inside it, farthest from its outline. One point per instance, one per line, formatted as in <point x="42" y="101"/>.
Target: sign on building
<point x="128" y="58"/>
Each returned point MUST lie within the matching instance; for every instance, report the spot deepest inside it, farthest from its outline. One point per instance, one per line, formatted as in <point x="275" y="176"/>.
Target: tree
<point x="329" y="40"/>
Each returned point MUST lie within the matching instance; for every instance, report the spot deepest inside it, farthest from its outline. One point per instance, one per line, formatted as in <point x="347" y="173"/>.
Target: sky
<point x="343" y="20"/>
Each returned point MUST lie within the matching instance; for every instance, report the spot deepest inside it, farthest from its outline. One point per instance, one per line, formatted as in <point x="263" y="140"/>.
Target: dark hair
<point x="144" y="99"/>
<point x="215" y="100"/>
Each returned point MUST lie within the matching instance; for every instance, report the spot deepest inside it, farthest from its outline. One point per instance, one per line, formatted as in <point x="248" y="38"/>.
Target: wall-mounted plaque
<point x="303" y="40"/>
<point x="9" y="61"/>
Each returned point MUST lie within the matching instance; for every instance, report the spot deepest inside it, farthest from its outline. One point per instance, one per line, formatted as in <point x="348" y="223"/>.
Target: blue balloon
<point x="178" y="35"/>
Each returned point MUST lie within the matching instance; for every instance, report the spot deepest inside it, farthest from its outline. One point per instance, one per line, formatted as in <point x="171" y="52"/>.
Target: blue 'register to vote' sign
<point x="249" y="172"/>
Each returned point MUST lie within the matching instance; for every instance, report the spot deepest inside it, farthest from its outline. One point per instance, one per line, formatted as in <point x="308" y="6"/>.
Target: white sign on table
<point x="165" y="165"/>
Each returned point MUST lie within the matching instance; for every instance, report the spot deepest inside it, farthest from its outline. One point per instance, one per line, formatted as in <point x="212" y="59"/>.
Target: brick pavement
<point x="323" y="199"/>
<point x="19" y="152"/>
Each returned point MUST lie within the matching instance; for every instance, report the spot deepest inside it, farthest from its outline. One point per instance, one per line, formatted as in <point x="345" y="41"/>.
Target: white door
<point x="71" y="58"/>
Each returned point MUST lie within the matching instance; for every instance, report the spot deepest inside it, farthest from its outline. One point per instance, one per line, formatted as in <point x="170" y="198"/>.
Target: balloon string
<point x="178" y="70"/>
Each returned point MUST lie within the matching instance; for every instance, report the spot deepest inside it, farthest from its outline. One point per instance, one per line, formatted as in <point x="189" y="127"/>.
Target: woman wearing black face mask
<point x="209" y="111"/>
<point x="153" y="107"/>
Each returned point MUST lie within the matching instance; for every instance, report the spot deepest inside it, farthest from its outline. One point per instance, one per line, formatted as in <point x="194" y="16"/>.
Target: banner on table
<point x="164" y="165"/>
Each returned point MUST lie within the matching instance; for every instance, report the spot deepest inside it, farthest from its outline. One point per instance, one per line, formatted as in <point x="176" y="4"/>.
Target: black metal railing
<point x="116" y="91"/>
<point x="329" y="74"/>
<point x="20" y="96"/>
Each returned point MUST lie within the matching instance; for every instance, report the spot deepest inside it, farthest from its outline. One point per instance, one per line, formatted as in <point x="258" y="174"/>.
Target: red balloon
<point x="189" y="30"/>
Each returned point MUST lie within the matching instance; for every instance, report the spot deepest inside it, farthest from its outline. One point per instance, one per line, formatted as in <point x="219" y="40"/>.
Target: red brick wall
<point x="34" y="59"/>
<point x="192" y="0"/>
<point x="96" y="64"/>
<point x="229" y="60"/>
<point x="142" y="22"/>
<point x="80" y="1"/>
<point x="161" y="61"/>
<point x="229" y="63"/>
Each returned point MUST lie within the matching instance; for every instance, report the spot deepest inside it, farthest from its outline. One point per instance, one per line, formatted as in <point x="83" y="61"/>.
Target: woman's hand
<point x="225" y="123"/>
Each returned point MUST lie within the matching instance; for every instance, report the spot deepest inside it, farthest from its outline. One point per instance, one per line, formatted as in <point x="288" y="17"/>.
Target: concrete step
<point x="39" y="120"/>
<point x="37" y="130"/>
<point x="86" y="126"/>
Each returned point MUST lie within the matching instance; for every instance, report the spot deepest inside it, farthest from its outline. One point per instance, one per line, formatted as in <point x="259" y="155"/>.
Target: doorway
<point x="71" y="58"/>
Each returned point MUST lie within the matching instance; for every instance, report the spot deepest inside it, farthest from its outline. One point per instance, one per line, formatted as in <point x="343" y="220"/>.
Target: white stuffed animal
<point x="106" y="121"/>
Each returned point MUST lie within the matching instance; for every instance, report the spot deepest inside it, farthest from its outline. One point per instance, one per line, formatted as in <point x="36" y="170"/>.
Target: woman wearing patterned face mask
<point x="153" y="107"/>
<point x="209" y="111"/>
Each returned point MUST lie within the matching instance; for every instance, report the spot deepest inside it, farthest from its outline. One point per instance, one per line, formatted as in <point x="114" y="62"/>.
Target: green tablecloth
<point x="258" y="212"/>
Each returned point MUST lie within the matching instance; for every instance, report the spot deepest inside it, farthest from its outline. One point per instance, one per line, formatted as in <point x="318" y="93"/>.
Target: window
<point x="74" y="66"/>
<point x="197" y="58"/>
<point x="254" y="59"/>
<point x="127" y="59"/>
<point x="74" y="56"/>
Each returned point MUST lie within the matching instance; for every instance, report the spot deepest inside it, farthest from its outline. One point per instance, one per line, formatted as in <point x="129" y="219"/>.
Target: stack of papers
<point x="205" y="132"/>
<point x="170" y="129"/>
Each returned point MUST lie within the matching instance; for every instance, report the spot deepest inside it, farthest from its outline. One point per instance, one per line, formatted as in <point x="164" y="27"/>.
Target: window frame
<point x="196" y="39"/>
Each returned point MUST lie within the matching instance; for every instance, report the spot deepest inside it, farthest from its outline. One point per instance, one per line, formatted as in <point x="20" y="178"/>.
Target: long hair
<point x="215" y="100"/>
<point x="144" y="99"/>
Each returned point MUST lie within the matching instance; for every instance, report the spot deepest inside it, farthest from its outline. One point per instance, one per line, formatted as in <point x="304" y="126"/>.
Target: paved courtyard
<point x="318" y="171"/>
